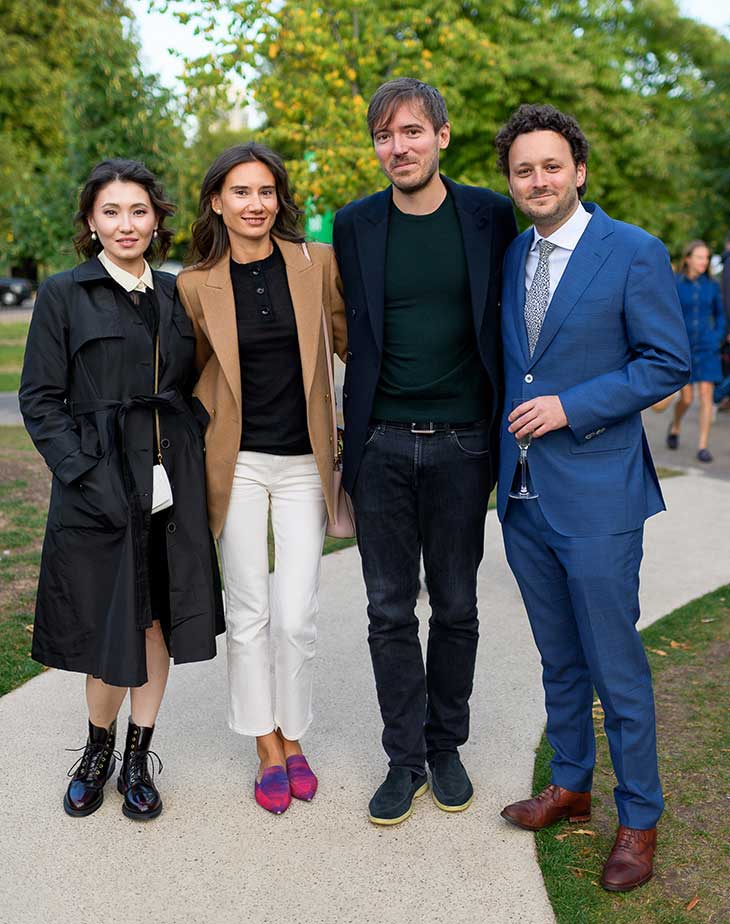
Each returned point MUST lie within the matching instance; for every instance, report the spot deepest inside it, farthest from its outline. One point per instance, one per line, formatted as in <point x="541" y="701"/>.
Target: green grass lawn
<point x="689" y="651"/>
<point x="13" y="335"/>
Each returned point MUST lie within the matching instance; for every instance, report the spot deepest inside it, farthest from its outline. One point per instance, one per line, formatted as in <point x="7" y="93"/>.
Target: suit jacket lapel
<point x="477" y="236"/>
<point x="219" y="311"/>
<point x="371" y="232"/>
<point x="305" y="286"/>
<point x="590" y="254"/>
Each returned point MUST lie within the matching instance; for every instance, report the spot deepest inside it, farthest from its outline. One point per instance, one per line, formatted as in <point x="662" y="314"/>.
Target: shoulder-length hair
<point x="126" y="171"/>
<point x="687" y="252"/>
<point x="210" y="236"/>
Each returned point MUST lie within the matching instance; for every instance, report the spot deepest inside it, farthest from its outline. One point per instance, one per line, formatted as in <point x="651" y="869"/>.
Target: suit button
<point x="349" y="354"/>
<point x="528" y="378"/>
<point x="354" y="312"/>
<point x="171" y="527"/>
<point x="345" y="394"/>
<point x="165" y="443"/>
<point x="326" y="397"/>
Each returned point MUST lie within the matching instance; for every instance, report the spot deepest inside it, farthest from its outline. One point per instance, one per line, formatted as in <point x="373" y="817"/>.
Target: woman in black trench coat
<point x="121" y="588"/>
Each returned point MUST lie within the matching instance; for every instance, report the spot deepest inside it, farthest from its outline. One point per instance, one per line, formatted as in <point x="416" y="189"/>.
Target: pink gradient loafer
<point x="302" y="782"/>
<point x="272" y="793"/>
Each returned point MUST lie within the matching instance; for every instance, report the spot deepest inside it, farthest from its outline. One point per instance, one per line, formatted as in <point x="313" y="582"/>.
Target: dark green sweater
<point x="431" y="368"/>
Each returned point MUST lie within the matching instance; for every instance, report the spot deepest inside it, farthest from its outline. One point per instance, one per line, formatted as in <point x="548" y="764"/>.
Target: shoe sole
<point x="80" y="813"/>
<point x="396" y="821"/>
<point x="573" y="819"/>
<point x="452" y="808"/>
<point x="612" y="888"/>
<point x="139" y="816"/>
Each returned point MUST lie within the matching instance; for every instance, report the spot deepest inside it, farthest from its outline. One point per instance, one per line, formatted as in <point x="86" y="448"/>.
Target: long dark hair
<point x="210" y="235"/>
<point x="126" y="171"/>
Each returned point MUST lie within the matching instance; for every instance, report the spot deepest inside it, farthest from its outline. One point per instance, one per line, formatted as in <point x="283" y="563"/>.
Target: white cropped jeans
<point x="271" y="632"/>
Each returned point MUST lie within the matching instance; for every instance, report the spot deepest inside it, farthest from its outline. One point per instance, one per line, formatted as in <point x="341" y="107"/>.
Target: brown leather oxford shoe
<point x="631" y="861"/>
<point x="547" y="807"/>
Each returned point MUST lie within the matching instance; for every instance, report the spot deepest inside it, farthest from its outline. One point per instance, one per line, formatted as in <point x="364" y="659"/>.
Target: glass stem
<point x="523" y="471"/>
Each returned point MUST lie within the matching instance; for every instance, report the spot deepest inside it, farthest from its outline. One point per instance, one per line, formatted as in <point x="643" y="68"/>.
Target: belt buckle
<point x="428" y="432"/>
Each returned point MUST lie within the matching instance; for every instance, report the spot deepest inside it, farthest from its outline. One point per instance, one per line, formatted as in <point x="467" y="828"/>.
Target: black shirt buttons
<point x="260" y="290"/>
<point x="265" y="311"/>
<point x="171" y="527"/>
<point x="165" y="443"/>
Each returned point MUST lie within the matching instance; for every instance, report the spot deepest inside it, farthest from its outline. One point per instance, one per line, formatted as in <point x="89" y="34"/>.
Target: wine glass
<point x="523" y="442"/>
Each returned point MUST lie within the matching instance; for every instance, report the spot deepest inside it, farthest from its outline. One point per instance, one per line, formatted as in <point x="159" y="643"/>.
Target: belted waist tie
<point x="169" y="400"/>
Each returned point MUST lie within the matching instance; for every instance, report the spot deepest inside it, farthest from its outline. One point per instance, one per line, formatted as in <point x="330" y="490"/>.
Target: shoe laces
<point x="91" y="762"/>
<point x="139" y="765"/>
<point x="626" y="838"/>
<point x="550" y="792"/>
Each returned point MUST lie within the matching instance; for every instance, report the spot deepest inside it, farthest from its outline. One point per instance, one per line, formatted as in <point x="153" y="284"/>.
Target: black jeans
<point x="422" y="492"/>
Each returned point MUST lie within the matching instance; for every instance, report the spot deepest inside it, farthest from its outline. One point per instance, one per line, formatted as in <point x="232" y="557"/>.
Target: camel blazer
<point x="207" y="296"/>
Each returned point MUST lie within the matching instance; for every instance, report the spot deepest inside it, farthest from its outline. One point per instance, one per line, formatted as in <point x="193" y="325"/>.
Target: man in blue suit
<point x="592" y="333"/>
<point x="421" y="268"/>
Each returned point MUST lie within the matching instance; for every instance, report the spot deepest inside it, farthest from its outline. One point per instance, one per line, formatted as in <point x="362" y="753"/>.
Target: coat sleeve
<point x="657" y="340"/>
<point x="336" y="306"/>
<point x="718" y="312"/>
<point x="44" y="388"/>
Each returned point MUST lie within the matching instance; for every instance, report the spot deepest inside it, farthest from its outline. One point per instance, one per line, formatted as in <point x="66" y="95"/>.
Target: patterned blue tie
<point x="538" y="297"/>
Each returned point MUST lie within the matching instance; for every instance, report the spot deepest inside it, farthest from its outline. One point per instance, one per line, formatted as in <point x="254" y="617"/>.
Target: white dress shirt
<point x="565" y="239"/>
<point x="128" y="281"/>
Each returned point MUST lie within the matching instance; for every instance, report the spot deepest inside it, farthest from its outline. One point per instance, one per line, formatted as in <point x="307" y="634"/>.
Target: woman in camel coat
<point x="255" y="296"/>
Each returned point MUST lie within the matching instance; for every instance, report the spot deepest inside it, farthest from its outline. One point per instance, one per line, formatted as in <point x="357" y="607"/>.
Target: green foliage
<point x="72" y="93"/>
<point x="648" y="86"/>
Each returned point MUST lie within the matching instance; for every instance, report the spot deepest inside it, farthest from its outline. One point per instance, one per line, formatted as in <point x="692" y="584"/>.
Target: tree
<point x="73" y="93"/>
<point x="633" y="73"/>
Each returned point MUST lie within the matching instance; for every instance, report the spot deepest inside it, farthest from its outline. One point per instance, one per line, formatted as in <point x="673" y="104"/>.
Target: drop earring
<point x="154" y="234"/>
<point x="93" y="235"/>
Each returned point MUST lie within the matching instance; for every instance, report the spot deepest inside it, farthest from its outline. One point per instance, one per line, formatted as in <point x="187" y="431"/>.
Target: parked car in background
<point x="14" y="291"/>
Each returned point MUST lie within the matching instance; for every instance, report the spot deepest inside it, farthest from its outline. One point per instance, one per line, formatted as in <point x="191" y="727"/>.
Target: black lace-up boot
<point x="141" y="799"/>
<point x="85" y="792"/>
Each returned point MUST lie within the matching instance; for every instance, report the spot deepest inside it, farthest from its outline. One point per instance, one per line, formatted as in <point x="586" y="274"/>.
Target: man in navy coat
<point x="421" y="268"/>
<point x="593" y="333"/>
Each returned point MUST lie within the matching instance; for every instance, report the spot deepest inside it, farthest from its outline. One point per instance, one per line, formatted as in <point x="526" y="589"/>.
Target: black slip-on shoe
<point x="393" y="800"/>
<point x="672" y="439"/>
<point x="450" y="784"/>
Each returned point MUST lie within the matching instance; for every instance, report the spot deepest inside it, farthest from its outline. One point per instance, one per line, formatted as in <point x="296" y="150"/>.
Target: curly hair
<point x="127" y="171"/>
<point x="541" y="118"/>
<point x="209" y="234"/>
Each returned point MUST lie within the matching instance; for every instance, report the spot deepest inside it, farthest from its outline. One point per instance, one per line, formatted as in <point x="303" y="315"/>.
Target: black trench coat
<point x="87" y="397"/>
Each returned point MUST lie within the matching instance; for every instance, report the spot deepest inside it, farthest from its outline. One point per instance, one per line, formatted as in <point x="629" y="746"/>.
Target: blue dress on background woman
<point x="705" y="320"/>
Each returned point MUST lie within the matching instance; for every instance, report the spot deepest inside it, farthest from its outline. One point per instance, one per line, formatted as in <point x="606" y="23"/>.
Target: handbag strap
<point x="330" y="376"/>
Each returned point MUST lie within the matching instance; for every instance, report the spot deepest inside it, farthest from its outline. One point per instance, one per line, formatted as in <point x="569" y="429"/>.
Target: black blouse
<point x="274" y="404"/>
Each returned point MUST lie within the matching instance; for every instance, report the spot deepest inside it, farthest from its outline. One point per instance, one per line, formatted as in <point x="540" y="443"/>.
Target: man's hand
<point x="537" y="416"/>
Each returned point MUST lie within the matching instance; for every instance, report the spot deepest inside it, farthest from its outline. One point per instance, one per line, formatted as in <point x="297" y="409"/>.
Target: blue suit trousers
<point x="582" y="600"/>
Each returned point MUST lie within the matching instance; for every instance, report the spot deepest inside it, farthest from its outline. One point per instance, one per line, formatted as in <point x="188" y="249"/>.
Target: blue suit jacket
<point x="360" y="238"/>
<point x="612" y="343"/>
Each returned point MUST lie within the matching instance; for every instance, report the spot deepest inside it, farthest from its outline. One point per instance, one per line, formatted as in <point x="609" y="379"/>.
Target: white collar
<point x="128" y="281"/>
<point x="568" y="234"/>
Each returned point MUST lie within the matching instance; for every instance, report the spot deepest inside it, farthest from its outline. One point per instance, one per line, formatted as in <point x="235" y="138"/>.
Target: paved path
<point x="214" y="856"/>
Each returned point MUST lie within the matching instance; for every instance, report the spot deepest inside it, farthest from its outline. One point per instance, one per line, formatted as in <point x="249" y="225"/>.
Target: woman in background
<point x="256" y="295"/>
<point x="703" y="314"/>
<point x="121" y="587"/>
